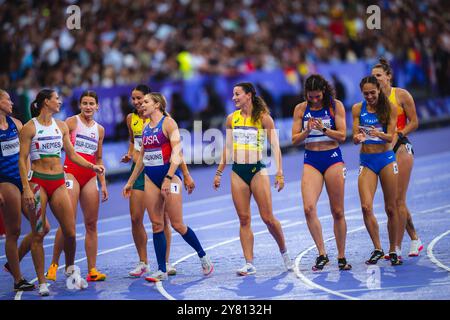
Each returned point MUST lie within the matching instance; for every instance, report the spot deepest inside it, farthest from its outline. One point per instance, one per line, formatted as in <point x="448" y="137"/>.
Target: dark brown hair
<point x="385" y="66"/>
<point x="259" y="105"/>
<point x="316" y="82"/>
<point x="89" y="93"/>
<point x="38" y="103"/>
<point x="383" y="106"/>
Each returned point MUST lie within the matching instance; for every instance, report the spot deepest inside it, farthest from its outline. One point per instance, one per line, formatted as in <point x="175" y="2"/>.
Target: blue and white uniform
<point x="157" y="153"/>
<point x="321" y="160"/>
<point x="374" y="161"/>
<point x="9" y="156"/>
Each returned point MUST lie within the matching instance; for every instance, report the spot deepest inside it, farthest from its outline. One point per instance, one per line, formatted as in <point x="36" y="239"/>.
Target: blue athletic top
<point x="157" y="153"/>
<point x="368" y="121"/>
<point x="9" y="154"/>
<point x="327" y="117"/>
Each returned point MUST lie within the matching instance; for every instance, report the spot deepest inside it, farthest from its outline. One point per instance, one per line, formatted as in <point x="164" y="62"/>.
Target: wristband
<point x="324" y="129"/>
<point x="168" y="177"/>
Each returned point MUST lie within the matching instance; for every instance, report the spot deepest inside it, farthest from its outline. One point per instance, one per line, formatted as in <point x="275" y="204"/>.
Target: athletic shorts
<point x="247" y="171"/>
<point x="406" y="142"/>
<point x="16" y="182"/>
<point x="377" y="161"/>
<point x="83" y="175"/>
<point x="322" y="160"/>
<point x="157" y="173"/>
<point x="139" y="184"/>
<point x="49" y="182"/>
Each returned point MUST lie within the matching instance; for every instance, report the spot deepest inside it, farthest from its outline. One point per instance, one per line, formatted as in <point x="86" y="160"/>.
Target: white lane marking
<point x="312" y="284"/>
<point x="430" y="251"/>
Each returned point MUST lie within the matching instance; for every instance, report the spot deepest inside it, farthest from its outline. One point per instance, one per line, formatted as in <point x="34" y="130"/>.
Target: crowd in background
<point x="124" y="41"/>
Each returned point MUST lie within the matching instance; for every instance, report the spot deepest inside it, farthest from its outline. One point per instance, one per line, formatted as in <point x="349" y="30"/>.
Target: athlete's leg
<point x="405" y="163"/>
<point x="367" y="186"/>
<point x="155" y="207"/>
<point x="335" y="184"/>
<point x="37" y="249"/>
<point x="260" y="188"/>
<point x="388" y="181"/>
<point x="89" y="202"/>
<point x="311" y="186"/>
<point x="62" y="209"/>
<point x="240" y="192"/>
<point x="137" y="210"/>
<point x="167" y="234"/>
<point x="74" y="193"/>
<point x="11" y="212"/>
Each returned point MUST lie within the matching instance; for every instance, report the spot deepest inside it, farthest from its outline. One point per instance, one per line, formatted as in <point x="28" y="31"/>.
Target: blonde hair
<point x="2" y="92"/>
<point x="159" y="98"/>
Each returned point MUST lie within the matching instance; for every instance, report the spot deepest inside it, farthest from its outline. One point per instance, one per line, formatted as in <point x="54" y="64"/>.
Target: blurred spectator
<point x="181" y="112"/>
<point x="339" y="87"/>
<point x="124" y="41"/>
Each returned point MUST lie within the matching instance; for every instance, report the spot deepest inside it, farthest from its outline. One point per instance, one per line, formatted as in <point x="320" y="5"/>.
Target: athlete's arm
<point x="226" y="152"/>
<point x="358" y="136"/>
<point x="25" y="136"/>
<point x="407" y="102"/>
<point x="391" y="127"/>
<point x="269" y="125"/>
<point x="298" y="134"/>
<point x="176" y="158"/>
<point x="339" y="118"/>
<point x="99" y="161"/>
<point x="70" y="151"/>
<point x="127" y="157"/>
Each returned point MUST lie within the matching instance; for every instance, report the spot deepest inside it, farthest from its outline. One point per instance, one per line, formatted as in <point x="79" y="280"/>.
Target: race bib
<point x="69" y="184"/>
<point x="408" y="147"/>
<point x="153" y="158"/>
<point x="246" y="136"/>
<point x="314" y="132"/>
<point x="174" y="188"/>
<point x="137" y="143"/>
<point x="360" y="170"/>
<point x="86" y="145"/>
<point x="395" y="167"/>
<point x="367" y="129"/>
<point x="10" y="147"/>
<point x="344" y="172"/>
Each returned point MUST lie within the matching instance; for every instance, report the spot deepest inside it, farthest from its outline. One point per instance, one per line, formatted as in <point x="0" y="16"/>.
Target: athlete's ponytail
<point x="259" y="105"/>
<point x="38" y="103"/>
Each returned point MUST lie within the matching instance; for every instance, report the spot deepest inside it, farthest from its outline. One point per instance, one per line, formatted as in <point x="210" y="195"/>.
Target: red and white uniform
<point x="85" y="142"/>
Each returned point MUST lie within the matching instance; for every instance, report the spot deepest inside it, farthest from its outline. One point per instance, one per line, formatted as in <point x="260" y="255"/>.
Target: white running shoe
<point x="246" y="270"/>
<point x="74" y="280"/>
<point x="139" y="270"/>
<point x="415" y="248"/>
<point x="287" y="261"/>
<point x="171" y="271"/>
<point x="157" y="276"/>
<point x="43" y="290"/>
<point x="207" y="265"/>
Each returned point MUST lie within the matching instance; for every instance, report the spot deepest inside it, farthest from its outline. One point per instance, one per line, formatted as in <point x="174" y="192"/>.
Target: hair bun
<point x="384" y="61"/>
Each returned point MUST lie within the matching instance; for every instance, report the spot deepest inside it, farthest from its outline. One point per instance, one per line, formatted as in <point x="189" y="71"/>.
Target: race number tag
<point x="408" y="147"/>
<point x="137" y="143"/>
<point x="174" y="188"/>
<point x="344" y="172"/>
<point x="69" y="184"/>
<point x="360" y="170"/>
<point x="30" y="175"/>
<point x="395" y="168"/>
